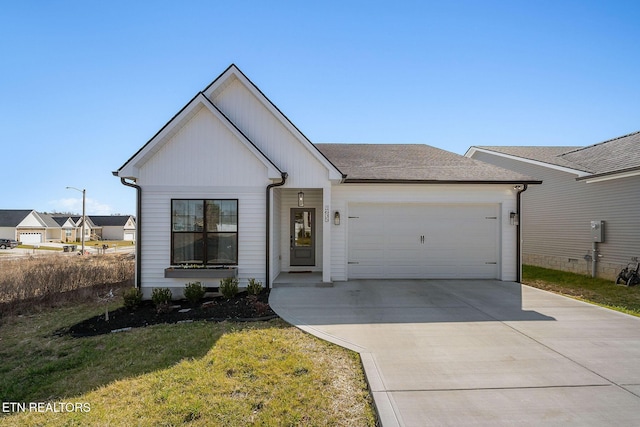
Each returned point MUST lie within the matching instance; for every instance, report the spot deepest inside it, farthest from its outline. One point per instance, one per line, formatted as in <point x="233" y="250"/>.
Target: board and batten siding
<point x="558" y="214"/>
<point x="502" y="195"/>
<point x="271" y="136"/>
<point x="203" y="152"/>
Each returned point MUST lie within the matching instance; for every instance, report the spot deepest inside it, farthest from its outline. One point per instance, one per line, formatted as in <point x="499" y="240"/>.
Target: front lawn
<point x="201" y="373"/>
<point x="603" y="292"/>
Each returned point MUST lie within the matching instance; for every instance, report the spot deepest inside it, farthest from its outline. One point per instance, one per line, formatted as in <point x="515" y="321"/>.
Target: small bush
<point x="229" y="287"/>
<point x="254" y="287"/>
<point x="161" y="295"/>
<point x="132" y="297"/>
<point x="194" y="292"/>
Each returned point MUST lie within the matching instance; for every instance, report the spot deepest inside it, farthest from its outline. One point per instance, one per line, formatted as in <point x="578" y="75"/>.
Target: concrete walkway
<point x="478" y="352"/>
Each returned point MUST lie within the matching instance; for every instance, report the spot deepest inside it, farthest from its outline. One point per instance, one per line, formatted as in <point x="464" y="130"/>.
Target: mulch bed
<point x="240" y="309"/>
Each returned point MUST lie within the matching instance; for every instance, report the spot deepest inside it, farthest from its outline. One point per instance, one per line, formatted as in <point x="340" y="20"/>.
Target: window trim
<point x="204" y="232"/>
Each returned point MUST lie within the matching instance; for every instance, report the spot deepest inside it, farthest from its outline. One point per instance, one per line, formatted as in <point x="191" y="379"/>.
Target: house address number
<point x="326" y="213"/>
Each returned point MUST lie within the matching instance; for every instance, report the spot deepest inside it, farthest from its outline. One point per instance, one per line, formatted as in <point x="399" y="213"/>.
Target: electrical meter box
<point x="597" y="231"/>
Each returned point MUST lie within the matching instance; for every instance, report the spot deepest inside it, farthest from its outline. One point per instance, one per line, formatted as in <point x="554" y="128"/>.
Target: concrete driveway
<point x="480" y="352"/>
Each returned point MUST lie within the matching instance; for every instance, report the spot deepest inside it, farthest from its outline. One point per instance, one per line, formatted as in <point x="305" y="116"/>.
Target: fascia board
<point x="233" y="71"/>
<point x="577" y="172"/>
<point x="609" y="176"/>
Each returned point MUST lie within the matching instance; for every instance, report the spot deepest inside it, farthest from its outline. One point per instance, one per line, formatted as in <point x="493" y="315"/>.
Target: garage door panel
<point x="423" y="241"/>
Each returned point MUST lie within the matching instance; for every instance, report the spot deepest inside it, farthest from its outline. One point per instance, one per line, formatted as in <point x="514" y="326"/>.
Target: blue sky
<point x="83" y="85"/>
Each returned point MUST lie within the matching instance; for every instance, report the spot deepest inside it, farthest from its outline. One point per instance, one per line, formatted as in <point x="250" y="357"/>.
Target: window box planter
<point x="201" y="273"/>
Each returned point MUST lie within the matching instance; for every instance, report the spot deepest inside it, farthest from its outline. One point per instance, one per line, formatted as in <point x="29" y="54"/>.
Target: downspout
<point x="138" y="229"/>
<point x="268" y="228"/>
<point x="519" y="233"/>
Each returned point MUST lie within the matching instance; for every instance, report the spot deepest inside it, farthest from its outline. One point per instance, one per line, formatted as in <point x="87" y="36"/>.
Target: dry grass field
<point x="32" y="282"/>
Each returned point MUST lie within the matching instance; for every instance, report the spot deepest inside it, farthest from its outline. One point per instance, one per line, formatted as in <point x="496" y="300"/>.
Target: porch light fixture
<point x="336" y="218"/>
<point x="513" y="218"/>
<point x="301" y="199"/>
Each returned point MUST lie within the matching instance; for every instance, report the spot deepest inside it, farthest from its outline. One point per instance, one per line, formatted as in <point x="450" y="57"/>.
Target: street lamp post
<point x="84" y="193"/>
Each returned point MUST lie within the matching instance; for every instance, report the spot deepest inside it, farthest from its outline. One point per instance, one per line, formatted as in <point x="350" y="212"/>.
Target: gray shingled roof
<point x="13" y="217"/>
<point x="612" y="156"/>
<point x="412" y="162"/>
<point x="48" y="219"/>
<point x="109" y="220"/>
<point x="544" y="154"/>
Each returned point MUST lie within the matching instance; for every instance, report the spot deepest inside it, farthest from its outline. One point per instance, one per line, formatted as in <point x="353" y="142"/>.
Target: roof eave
<point x="436" y="181"/>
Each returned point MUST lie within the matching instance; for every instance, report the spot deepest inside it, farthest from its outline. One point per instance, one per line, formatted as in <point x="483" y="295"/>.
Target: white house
<point x="230" y="182"/>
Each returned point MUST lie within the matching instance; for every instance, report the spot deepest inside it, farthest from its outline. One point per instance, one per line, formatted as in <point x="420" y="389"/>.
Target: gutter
<point x="519" y="234"/>
<point x="268" y="228"/>
<point x="137" y="284"/>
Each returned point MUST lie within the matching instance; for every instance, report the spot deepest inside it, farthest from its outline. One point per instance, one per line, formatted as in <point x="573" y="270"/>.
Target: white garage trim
<point x="30" y="238"/>
<point x="424" y="241"/>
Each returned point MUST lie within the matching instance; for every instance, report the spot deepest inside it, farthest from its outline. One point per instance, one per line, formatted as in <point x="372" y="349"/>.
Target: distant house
<point x="599" y="182"/>
<point x="115" y="227"/>
<point x="231" y="184"/>
<point x="30" y="227"/>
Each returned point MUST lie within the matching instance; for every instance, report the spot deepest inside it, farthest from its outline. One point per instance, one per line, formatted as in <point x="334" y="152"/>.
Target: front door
<point x="303" y="237"/>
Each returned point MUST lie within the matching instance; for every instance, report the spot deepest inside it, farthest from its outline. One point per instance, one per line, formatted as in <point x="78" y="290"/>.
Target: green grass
<point x="595" y="290"/>
<point x="40" y="248"/>
<point x="203" y="373"/>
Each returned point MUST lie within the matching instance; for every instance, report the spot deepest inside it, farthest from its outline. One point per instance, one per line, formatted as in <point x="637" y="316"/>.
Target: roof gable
<point x="233" y="75"/>
<point x="131" y="168"/>
<point x="413" y="163"/>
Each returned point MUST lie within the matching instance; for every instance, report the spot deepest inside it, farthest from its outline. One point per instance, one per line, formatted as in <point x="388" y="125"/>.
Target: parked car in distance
<point x="8" y="243"/>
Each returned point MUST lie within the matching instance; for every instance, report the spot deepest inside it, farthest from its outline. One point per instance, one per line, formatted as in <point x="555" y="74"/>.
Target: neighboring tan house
<point x="25" y="225"/>
<point x="231" y="184"/>
<point x="582" y="186"/>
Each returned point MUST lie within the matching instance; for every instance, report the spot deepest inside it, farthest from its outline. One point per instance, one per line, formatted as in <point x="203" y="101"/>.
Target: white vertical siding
<point x="271" y="136"/>
<point x="203" y="152"/>
<point x="276" y="232"/>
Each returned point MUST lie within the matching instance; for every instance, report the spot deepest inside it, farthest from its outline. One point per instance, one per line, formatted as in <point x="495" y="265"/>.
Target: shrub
<point x="229" y="287"/>
<point x="254" y="287"/>
<point x="132" y="297"/>
<point x="194" y="292"/>
<point x="161" y="295"/>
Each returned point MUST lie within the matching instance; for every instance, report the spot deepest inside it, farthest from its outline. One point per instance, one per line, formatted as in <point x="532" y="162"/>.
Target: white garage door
<point x="423" y="241"/>
<point x="30" y="238"/>
<point x="129" y="235"/>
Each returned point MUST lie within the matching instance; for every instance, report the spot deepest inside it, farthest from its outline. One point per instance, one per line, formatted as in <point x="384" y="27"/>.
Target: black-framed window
<point x="204" y="231"/>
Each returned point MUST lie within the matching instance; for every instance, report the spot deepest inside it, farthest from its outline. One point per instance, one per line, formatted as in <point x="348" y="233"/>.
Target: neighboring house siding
<point x="558" y="214"/>
<point x="502" y="195"/>
<point x="7" y="233"/>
